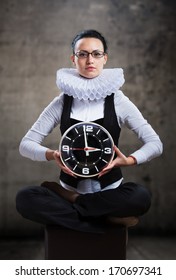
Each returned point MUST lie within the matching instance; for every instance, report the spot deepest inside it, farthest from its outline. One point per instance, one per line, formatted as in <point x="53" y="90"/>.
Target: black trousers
<point x="89" y="211"/>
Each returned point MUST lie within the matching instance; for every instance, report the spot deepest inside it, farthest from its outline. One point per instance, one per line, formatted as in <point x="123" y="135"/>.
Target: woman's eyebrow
<point x="87" y="51"/>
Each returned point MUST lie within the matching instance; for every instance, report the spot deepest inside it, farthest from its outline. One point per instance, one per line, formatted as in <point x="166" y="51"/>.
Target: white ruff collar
<point x="72" y="84"/>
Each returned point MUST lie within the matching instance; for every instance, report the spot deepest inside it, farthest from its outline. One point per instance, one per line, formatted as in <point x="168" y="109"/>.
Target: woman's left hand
<point x="119" y="161"/>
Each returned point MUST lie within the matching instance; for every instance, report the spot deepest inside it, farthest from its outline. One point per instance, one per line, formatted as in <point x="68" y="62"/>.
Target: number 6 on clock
<point x="85" y="171"/>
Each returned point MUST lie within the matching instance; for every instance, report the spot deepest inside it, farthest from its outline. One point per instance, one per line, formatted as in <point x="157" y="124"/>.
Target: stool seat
<point x="66" y="244"/>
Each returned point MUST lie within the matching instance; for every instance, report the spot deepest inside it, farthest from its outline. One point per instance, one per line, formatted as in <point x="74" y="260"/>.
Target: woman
<point x="89" y="93"/>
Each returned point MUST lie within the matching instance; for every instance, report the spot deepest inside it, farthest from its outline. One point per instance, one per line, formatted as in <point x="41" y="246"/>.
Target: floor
<point x="151" y="248"/>
<point x="139" y="248"/>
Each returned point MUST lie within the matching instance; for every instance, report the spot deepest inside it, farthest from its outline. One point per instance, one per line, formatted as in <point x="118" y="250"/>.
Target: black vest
<point x="109" y="122"/>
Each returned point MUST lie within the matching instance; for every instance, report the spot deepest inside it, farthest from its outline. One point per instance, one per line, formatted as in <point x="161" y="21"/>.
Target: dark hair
<point x="89" y="34"/>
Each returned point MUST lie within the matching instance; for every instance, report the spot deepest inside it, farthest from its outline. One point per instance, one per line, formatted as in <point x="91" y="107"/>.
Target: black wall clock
<point x="86" y="148"/>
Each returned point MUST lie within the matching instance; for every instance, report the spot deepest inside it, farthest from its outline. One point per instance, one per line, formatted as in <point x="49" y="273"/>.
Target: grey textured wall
<point x="35" y="38"/>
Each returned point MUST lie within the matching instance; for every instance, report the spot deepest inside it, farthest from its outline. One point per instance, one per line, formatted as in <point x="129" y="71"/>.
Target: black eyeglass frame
<point x="88" y="53"/>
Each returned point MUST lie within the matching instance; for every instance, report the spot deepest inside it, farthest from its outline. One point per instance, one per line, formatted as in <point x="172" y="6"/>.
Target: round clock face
<point x="86" y="148"/>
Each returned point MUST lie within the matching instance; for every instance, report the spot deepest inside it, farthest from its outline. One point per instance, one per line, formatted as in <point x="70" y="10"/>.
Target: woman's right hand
<point x="56" y="156"/>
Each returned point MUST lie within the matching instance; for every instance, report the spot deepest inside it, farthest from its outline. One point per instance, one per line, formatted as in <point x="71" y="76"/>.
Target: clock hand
<point x="85" y="140"/>
<point x="77" y="149"/>
<point x="90" y="149"/>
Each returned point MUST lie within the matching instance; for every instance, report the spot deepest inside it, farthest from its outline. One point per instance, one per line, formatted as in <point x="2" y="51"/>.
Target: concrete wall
<point x="35" y="38"/>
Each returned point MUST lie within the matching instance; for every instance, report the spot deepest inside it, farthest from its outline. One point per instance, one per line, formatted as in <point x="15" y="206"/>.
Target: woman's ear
<point x="72" y="57"/>
<point x="105" y="58"/>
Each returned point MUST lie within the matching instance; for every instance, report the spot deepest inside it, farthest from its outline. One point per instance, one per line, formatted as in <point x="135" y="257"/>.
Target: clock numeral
<point x="85" y="171"/>
<point x="65" y="148"/>
<point x="107" y="150"/>
<point x="89" y="128"/>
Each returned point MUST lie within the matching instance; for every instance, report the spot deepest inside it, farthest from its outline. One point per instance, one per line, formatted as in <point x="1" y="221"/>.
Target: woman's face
<point x="89" y="67"/>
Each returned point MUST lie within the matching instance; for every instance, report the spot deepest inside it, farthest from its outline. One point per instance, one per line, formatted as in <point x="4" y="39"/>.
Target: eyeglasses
<point x="94" y="54"/>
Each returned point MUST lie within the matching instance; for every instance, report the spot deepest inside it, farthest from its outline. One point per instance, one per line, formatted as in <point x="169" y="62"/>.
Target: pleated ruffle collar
<point x="71" y="83"/>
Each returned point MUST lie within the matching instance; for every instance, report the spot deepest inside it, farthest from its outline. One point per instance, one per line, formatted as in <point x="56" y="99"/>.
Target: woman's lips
<point x="90" y="68"/>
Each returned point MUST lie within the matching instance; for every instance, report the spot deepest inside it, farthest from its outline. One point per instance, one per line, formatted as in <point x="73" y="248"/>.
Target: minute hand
<point x="85" y="141"/>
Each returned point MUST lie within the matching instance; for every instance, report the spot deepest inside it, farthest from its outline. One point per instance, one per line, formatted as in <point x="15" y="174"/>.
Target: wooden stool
<point x="66" y="244"/>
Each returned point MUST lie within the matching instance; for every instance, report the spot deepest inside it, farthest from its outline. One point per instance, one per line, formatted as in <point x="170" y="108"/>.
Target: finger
<point x="118" y="152"/>
<point x="102" y="173"/>
<point x="68" y="171"/>
<point x="105" y="170"/>
<point x="61" y="165"/>
<point x="57" y="157"/>
<point x="56" y="154"/>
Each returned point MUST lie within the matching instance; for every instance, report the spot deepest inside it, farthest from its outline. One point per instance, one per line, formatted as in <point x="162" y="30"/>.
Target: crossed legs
<point x="51" y="204"/>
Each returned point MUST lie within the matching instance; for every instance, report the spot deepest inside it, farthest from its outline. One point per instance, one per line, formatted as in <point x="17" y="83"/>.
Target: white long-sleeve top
<point x="90" y="110"/>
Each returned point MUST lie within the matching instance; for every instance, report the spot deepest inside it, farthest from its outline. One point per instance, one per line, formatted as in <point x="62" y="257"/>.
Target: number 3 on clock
<point x="107" y="150"/>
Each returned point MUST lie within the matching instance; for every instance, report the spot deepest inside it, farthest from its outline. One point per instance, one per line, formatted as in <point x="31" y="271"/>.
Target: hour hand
<point x="91" y="149"/>
<point x="88" y="149"/>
